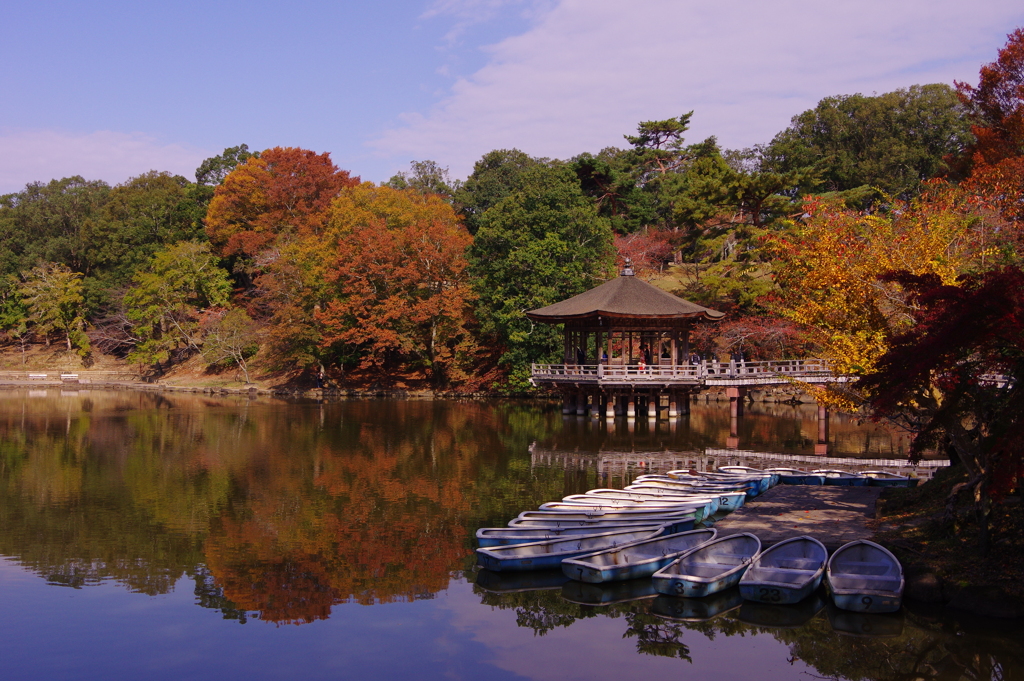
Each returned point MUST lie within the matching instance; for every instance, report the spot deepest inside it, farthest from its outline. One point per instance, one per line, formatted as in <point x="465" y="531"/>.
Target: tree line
<point x="281" y="258"/>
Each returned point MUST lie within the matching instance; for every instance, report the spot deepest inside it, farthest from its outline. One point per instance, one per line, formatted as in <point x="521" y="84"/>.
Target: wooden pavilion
<point x="627" y="348"/>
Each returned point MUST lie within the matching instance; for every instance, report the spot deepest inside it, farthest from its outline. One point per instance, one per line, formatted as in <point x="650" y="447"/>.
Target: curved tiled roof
<point x="624" y="296"/>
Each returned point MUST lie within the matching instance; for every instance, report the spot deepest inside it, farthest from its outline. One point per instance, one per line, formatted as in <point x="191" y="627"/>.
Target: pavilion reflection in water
<point x="612" y="464"/>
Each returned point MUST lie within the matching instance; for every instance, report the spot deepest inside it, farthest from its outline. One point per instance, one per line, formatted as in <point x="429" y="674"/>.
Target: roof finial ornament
<point x="627" y="271"/>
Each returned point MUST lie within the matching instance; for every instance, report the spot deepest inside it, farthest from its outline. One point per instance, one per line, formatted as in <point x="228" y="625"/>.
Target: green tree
<point x="213" y="170"/>
<point x="542" y="243"/>
<point x="492" y="179"/>
<point x="427" y="177"/>
<point x="53" y="294"/>
<point x="49" y="223"/>
<point x="13" y="313"/>
<point x="139" y="217"/>
<point x="231" y="335"/>
<point x="165" y="300"/>
<point x="892" y="141"/>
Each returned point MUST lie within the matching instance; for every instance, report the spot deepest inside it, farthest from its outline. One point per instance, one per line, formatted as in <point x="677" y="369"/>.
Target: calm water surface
<point x="163" y="537"/>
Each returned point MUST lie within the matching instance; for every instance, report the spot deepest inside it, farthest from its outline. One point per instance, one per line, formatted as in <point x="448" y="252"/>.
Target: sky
<point x="110" y="89"/>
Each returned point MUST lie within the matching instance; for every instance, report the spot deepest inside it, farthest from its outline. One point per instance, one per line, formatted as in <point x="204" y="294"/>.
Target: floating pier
<point x="833" y="515"/>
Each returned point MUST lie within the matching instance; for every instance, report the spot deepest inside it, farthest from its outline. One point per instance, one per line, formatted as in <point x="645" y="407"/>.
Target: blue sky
<point x="111" y="89"/>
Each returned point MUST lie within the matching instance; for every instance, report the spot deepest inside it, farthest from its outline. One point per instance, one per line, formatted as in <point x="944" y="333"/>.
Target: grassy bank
<point x="914" y="524"/>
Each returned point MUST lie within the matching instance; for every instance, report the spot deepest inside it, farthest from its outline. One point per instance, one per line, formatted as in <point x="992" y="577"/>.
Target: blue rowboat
<point x="728" y="500"/>
<point x="785" y="573"/>
<point x="864" y="577"/>
<point x="747" y="470"/>
<point x="795" y="476"/>
<point x="576" y="502"/>
<point x="709" y="568"/>
<point x="751" y="487"/>
<point x="487" y="537"/>
<point x="696" y="609"/>
<point x="541" y="555"/>
<point x="681" y="523"/>
<point x="636" y="560"/>
<point x="887" y="479"/>
<point x="601" y="513"/>
<point x="843" y="478"/>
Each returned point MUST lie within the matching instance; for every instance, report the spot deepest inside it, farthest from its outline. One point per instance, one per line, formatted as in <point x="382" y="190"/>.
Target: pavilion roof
<point x="624" y="297"/>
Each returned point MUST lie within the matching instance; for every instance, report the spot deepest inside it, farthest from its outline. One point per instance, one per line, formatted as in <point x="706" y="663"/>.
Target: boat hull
<point x="713" y="567"/>
<point x="488" y="537"/>
<point x="786" y="573"/>
<point x="634" y="561"/>
<point x="865" y="577"/>
<point x="543" y="555"/>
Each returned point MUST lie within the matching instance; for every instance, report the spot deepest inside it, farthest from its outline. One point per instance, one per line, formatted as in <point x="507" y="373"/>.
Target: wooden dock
<point x="833" y="515"/>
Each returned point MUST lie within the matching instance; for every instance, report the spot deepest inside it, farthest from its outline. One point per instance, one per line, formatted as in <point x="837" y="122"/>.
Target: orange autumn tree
<point x="828" y="268"/>
<point x="285" y="191"/>
<point x="401" y="282"/>
<point x="997" y="108"/>
<point x="269" y="217"/>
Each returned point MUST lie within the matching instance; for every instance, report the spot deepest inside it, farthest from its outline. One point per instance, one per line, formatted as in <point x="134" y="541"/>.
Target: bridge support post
<point x="568" y="404"/>
<point x="673" y="410"/>
<point x="581" y="403"/>
<point x="610" y="407"/>
<point x="821" y="447"/>
<point x="735" y="395"/>
<point x="684" y="404"/>
<point x="631" y="407"/>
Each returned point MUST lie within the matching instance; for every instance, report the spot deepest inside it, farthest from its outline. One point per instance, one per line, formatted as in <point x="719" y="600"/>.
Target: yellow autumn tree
<point x="829" y="268"/>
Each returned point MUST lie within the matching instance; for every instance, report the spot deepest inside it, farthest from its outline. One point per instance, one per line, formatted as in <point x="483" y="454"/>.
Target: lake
<point x="166" y="536"/>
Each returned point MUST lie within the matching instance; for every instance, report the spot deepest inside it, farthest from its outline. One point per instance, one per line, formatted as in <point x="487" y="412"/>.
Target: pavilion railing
<point x="705" y="370"/>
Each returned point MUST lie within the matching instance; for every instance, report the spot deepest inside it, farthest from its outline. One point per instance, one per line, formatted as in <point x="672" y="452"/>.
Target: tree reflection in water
<point x="277" y="511"/>
<point x="920" y="646"/>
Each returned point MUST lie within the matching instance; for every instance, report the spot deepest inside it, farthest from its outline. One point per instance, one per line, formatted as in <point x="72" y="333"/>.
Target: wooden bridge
<point x="620" y="389"/>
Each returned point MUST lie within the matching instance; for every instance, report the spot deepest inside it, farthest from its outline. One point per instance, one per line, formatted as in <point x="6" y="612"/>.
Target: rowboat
<point x="607" y="594"/>
<point x="887" y="479"/>
<point x="728" y="499"/>
<point x="709" y="568"/>
<point x="751" y="488"/>
<point x="597" y="513"/>
<point x="760" y="483"/>
<point x="785" y="573"/>
<point x="703" y="506"/>
<point x="519" y="582"/>
<point x="540" y="555"/>
<point x="795" y="476"/>
<point x="672" y="525"/>
<point x="636" y="560"/>
<point x="862" y="624"/>
<point x="792" y="616"/>
<point x="834" y="477"/>
<point x="747" y="470"/>
<point x="696" y="609"/>
<point x="505" y="536"/>
<point x="864" y="577"/>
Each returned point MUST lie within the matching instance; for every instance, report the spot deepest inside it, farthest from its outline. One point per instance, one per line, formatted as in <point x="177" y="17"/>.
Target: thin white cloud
<point x="589" y="70"/>
<point x="42" y="155"/>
